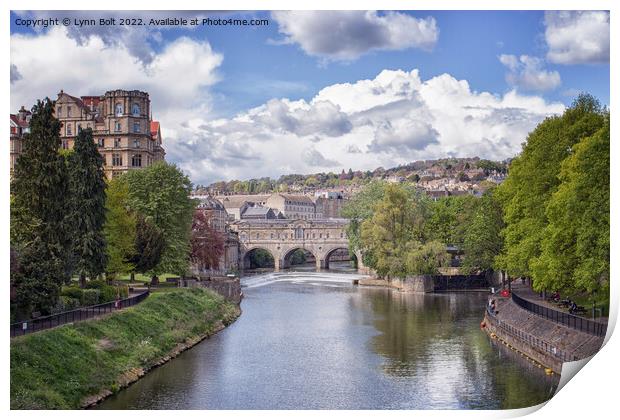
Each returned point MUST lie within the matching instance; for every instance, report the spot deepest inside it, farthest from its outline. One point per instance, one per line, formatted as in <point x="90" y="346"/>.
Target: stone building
<point x="258" y="213"/>
<point x="329" y="204"/>
<point x="122" y="126"/>
<point x="294" y="206"/>
<point x="20" y="125"/>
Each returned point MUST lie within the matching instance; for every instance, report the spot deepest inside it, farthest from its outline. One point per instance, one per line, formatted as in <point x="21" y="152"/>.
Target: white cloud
<point x="528" y="73"/>
<point x="389" y="120"/>
<point x="577" y="37"/>
<point x="357" y="32"/>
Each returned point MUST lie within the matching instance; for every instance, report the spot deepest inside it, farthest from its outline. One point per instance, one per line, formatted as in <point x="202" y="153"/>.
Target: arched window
<point x="135" y="110"/>
<point x="118" y="110"/>
<point x="299" y="233"/>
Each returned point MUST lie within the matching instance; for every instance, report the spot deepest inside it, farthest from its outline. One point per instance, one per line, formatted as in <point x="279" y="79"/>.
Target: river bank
<point x="78" y="365"/>
<point x="431" y="283"/>
<point x="547" y="343"/>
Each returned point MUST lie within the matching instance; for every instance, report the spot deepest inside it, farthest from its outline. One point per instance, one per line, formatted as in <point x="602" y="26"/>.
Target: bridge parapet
<point x="281" y="237"/>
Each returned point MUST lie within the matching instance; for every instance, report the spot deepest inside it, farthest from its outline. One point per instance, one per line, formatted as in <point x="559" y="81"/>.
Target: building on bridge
<point x="282" y="237"/>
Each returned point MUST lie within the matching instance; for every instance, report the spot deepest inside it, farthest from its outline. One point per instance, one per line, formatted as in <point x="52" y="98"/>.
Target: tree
<point x="149" y="246"/>
<point x="482" y="241"/>
<point x="449" y="217"/>
<point x="575" y="249"/>
<point x="87" y="192"/>
<point x="40" y="219"/>
<point x="425" y="258"/>
<point x="207" y="244"/>
<point x="119" y="229"/>
<point x="534" y="178"/>
<point x="360" y="208"/>
<point x="161" y="193"/>
<point x="396" y="225"/>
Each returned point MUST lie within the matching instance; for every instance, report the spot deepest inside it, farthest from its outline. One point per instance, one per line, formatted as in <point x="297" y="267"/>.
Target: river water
<point x="315" y="341"/>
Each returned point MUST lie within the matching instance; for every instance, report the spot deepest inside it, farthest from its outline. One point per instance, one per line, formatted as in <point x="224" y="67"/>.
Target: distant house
<point x="258" y="213"/>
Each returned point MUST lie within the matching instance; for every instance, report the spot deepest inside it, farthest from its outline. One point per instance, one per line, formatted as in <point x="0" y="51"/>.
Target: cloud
<point x="314" y="158"/>
<point x="528" y="73"/>
<point x="357" y="32"/>
<point x="391" y="119"/>
<point x="575" y="37"/>
<point x="137" y="40"/>
<point x="15" y="74"/>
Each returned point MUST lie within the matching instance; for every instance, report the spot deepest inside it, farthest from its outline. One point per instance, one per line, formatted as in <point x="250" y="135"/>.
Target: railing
<point x="80" y="314"/>
<point x="533" y="341"/>
<point x="572" y="321"/>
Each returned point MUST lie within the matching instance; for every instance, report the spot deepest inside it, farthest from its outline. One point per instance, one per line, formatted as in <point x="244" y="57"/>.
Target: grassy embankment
<point x="64" y="367"/>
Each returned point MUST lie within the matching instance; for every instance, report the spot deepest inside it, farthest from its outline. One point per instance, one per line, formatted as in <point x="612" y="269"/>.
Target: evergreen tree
<point x="40" y="213"/>
<point x="149" y="246"/>
<point x="87" y="191"/>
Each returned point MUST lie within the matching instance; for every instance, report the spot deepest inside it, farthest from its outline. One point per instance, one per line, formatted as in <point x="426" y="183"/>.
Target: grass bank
<point x="75" y="365"/>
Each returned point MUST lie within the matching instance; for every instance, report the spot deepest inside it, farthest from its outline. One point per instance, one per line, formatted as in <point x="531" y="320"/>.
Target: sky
<point x="325" y="91"/>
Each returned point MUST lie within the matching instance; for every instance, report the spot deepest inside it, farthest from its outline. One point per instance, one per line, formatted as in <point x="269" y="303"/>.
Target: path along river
<point x="311" y="340"/>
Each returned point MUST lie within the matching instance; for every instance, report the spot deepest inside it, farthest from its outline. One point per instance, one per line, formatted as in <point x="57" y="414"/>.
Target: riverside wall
<point x="547" y="342"/>
<point x="431" y="283"/>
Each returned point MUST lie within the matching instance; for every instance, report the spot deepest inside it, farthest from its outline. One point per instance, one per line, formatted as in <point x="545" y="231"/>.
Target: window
<point x="117" y="142"/>
<point x="136" y="126"/>
<point x="101" y="142"/>
<point x="136" y="160"/>
<point x="136" y="143"/>
<point x="299" y="233"/>
<point x="69" y="129"/>
<point x="59" y="110"/>
<point x="117" y="159"/>
<point x="79" y="128"/>
<point x="65" y="144"/>
<point x="135" y="110"/>
<point x="68" y="111"/>
<point x="118" y="110"/>
<point x="117" y="126"/>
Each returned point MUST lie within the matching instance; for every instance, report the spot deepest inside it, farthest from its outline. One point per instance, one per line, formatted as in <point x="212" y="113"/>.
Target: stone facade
<point x="122" y="127"/>
<point x="20" y="126"/>
<point x="283" y="237"/>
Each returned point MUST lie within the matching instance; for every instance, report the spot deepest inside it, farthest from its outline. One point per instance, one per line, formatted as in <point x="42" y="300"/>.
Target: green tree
<point x="149" y="246"/>
<point x="575" y="246"/>
<point x="119" y="229"/>
<point x="534" y="178"/>
<point x="161" y="193"/>
<point x="359" y="208"/>
<point x="449" y="218"/>
<point x="87" y="192"/>
<point x="396" y="225"/>
<point x="40" y="223"/>
<point x="482" y="241"/>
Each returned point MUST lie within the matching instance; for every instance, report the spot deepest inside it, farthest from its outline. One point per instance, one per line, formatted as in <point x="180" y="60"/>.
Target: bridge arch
<point x="338" y="251"/>
<point x="286" y="259"/>
<point x="258" y="257"/>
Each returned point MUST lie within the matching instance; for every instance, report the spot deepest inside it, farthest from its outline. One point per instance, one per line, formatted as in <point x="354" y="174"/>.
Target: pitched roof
<point x="257" y="211"/>
<point x="154" y="127"/>
<point x="18" y="122"/>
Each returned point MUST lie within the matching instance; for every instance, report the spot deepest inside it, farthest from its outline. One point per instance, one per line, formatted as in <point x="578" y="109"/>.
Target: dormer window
<point x="68" y="111"/>
<point x="118" y="110"/>
<point x="135" y="110"/>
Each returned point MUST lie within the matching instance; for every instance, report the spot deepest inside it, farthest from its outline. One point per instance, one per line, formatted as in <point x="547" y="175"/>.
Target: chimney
<point x="22" y="113"/>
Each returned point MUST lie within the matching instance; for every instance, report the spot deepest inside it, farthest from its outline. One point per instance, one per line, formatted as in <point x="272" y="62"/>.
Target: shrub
<point x="90" y="297"/>
<point x="65" y="303"/>
<point x="72" y="292"/>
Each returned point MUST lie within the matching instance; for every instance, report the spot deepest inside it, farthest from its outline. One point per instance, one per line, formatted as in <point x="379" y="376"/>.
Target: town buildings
<point x="126" y="135"/>
<point x="20" y="125"/>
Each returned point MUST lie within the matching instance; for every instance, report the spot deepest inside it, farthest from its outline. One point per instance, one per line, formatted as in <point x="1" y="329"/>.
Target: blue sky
<point x="257" y="88"/>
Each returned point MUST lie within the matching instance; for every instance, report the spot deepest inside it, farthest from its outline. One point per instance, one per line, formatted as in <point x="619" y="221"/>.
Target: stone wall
<point x="229" y="287"/>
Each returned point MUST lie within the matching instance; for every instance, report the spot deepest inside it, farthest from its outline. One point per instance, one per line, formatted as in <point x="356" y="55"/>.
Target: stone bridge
<point x="282" y="237"/>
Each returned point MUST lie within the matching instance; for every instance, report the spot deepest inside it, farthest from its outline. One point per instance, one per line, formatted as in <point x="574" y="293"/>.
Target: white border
<point x="591" y="394"/>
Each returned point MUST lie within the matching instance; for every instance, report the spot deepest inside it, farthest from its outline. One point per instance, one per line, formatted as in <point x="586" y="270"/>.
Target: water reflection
<point x="315" y="341"/>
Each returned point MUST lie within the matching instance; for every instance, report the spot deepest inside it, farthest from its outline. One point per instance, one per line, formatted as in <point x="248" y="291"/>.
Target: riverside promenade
<point x="546" y="341"/>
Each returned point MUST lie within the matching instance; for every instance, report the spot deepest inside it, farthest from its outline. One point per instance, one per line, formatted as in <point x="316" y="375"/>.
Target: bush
<point x="90" y="297"/>
<point x="73" y="292"/>
<point x="65" y="303"/>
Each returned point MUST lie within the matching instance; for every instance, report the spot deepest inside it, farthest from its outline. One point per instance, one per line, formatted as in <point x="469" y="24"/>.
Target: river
<point x="315" y="341"/>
